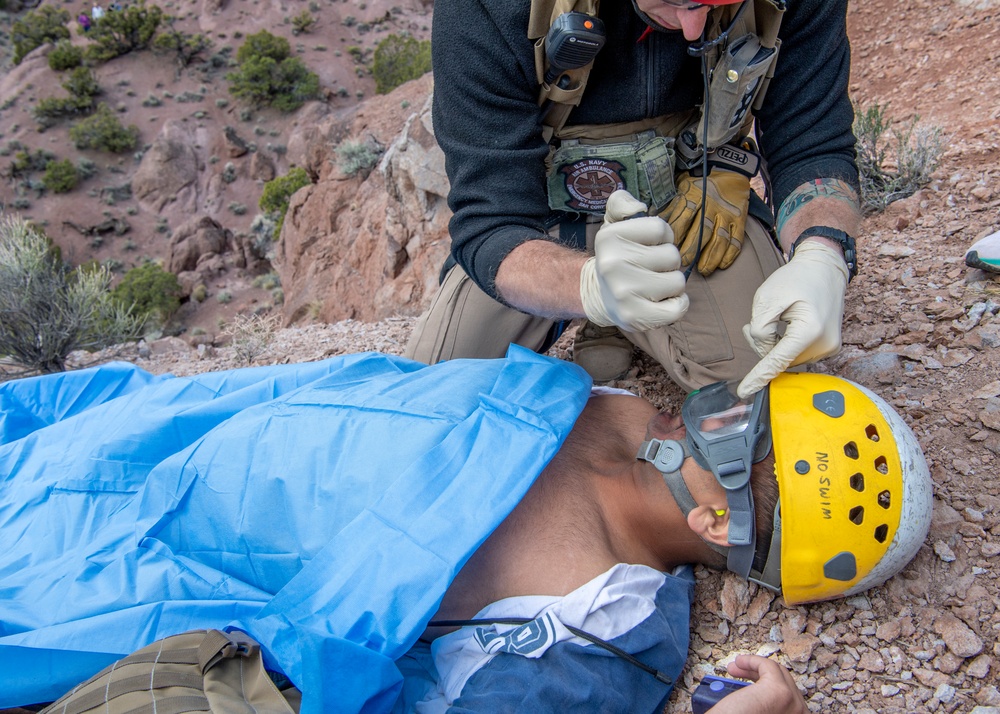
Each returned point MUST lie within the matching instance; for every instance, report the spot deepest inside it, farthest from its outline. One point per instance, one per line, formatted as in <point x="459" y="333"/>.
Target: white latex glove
<point x="633" y="281"/>
<point x="807" y="294"/>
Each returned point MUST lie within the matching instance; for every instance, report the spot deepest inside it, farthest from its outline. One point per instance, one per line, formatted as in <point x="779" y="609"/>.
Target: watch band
<point x="846" y="241"/>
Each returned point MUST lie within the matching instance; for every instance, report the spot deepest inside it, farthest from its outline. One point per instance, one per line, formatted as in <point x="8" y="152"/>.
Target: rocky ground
<point x="922" y="330"/>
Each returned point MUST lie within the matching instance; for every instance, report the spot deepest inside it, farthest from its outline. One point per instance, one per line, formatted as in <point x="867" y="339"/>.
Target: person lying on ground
<point x="355" y="515"/>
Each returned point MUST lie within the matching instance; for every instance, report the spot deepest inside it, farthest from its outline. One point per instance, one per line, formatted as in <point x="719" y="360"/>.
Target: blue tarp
<point x="322" y="507"/>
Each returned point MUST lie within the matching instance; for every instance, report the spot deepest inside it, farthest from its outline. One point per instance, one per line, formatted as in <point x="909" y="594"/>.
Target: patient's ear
<point x="706" y="522"/>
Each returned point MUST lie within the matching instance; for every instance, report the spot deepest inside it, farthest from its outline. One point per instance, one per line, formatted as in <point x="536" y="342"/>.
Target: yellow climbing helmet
<point x="855" y="494"/>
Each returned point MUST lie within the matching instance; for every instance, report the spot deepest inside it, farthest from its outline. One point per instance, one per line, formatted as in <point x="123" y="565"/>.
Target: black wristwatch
<point x="843" y="237"/>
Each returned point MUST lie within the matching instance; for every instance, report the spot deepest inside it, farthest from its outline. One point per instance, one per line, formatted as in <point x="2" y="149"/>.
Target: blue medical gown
<point x="322" y="507"/>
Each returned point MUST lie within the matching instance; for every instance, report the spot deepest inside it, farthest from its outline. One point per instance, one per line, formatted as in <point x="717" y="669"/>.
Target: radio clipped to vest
<point x="740" y="68"/>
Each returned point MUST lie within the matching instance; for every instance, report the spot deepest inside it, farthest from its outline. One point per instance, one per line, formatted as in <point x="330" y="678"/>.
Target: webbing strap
<point x="667" y="457"/>
<point x="173" y="705"/>
<point x="188" y="655"/>
<point x="138" y="683"/>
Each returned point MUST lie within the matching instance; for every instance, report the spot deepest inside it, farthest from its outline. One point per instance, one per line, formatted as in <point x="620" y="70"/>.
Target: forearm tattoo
<point x="824" y="187"/>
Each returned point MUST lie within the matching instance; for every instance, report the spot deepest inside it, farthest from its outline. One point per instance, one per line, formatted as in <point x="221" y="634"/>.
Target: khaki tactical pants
<point x="706" y="346"/>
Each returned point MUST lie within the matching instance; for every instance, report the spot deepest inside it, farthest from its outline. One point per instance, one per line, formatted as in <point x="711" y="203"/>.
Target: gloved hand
<point x="726" y="205"/>
<point x="633" y="279"/>
<point x="807" y="293"/>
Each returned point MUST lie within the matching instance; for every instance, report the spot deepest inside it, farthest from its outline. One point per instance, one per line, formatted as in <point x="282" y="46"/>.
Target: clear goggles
<point x="726" y="434"/>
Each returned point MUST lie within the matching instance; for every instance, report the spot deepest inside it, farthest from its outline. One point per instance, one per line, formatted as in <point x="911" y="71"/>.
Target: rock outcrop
<point x="367" y="248"/>
<point x="169" y="171"/>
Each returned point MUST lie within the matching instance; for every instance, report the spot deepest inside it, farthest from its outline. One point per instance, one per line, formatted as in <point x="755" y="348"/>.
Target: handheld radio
<point x="573" y="40"/>
<point x="711" y="690"/>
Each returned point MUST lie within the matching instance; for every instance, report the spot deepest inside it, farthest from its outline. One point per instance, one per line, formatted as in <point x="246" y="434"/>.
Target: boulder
<point x="169" y="171"/>
<point x="199" y="237"/>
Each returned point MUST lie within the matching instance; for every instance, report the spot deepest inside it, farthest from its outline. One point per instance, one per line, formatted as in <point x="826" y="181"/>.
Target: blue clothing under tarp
<point x="322" y="507"/>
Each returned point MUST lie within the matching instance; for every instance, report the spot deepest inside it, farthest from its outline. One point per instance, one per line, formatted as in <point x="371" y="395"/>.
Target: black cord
<point x="704" y="162"/>
<point x="582" y="634"/>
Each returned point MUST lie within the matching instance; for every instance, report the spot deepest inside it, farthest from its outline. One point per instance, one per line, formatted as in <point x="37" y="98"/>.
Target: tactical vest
<point x="741" y="68"/>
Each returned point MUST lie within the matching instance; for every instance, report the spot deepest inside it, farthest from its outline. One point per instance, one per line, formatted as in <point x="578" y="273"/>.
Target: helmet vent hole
<point x="858" y="482"/>
<point x="881" y="533"/>
<point x="851" y="450"/>
<point x="885" y="499"/>
<point x="857" y="515"/>
<point x="871" y="432"/>
<point x="881" y="465"/>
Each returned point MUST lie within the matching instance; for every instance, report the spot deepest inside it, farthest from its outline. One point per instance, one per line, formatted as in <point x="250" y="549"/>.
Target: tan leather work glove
<point x="633" y="280"/>
<point x="807" y="294"/>
<point x="727" y="202"/>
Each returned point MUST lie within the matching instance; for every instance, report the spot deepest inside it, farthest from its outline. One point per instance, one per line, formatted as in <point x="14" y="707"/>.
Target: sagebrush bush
<point x="250" y="336"/>
<point x="37" y="27"/>
<point x="26" y="162"/>
<point x="60" y="176"/>
<point x="49" y="311"/>
<point x="278" y="192"/>
<point x="123" y="31"/>
<point x="892" y="163"/>
<point x="152" y="292"/>
<point x="65" y="55"/>
<point x="105" y="132"/>
<point x="268" y="76"/>
<point x="399" y="59"/>
<point x="356" y="158"/>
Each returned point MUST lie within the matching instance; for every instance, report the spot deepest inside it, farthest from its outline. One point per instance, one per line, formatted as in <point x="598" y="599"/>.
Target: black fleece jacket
<point x="487" y="122"/>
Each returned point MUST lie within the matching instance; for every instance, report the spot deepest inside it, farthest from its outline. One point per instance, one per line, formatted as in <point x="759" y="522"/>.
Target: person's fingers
<point x="648" y="230"/>
<point x="621" y="206"/>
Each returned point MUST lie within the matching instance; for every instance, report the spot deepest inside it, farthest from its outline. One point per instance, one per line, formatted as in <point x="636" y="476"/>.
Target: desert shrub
<point x="250" y="336"/>
<point x="82" y="87"/>
<point x="356" y="158"/>
<point x="60" y="176"/>
<point x="27" y="162"/>
<point x="303" y="22"/>
<point x="123" y="31"/>
<point x="82" y="84"/>
<point x="268" y="281"/>
<point x="47" y="311"/>
<point x="152" y="291"/>
<point x="65" y="55"/>
<point x="278" y="192"/>
<point x="183" y="47"/>
<point x="262" y="235"/>
<point x="263" y="44"/>
<point x="38" y="27"/>
<point x="268" y="76"/>
<point x="398" y="60"/>
<point x="85" y="168"/>
<point x="105" y="132"/>
<point x="892" y="163"/>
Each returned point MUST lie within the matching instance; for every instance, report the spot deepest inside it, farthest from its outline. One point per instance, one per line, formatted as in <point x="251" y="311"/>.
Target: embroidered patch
<point x="591" y="181"/>
<point x="528" y="640"/>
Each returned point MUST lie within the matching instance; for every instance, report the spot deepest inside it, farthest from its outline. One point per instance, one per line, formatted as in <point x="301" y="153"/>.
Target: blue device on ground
<point x="712" y="690"/>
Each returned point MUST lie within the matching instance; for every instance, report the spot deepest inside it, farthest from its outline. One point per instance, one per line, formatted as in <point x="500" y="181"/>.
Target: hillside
<point x="921" y="329"/>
